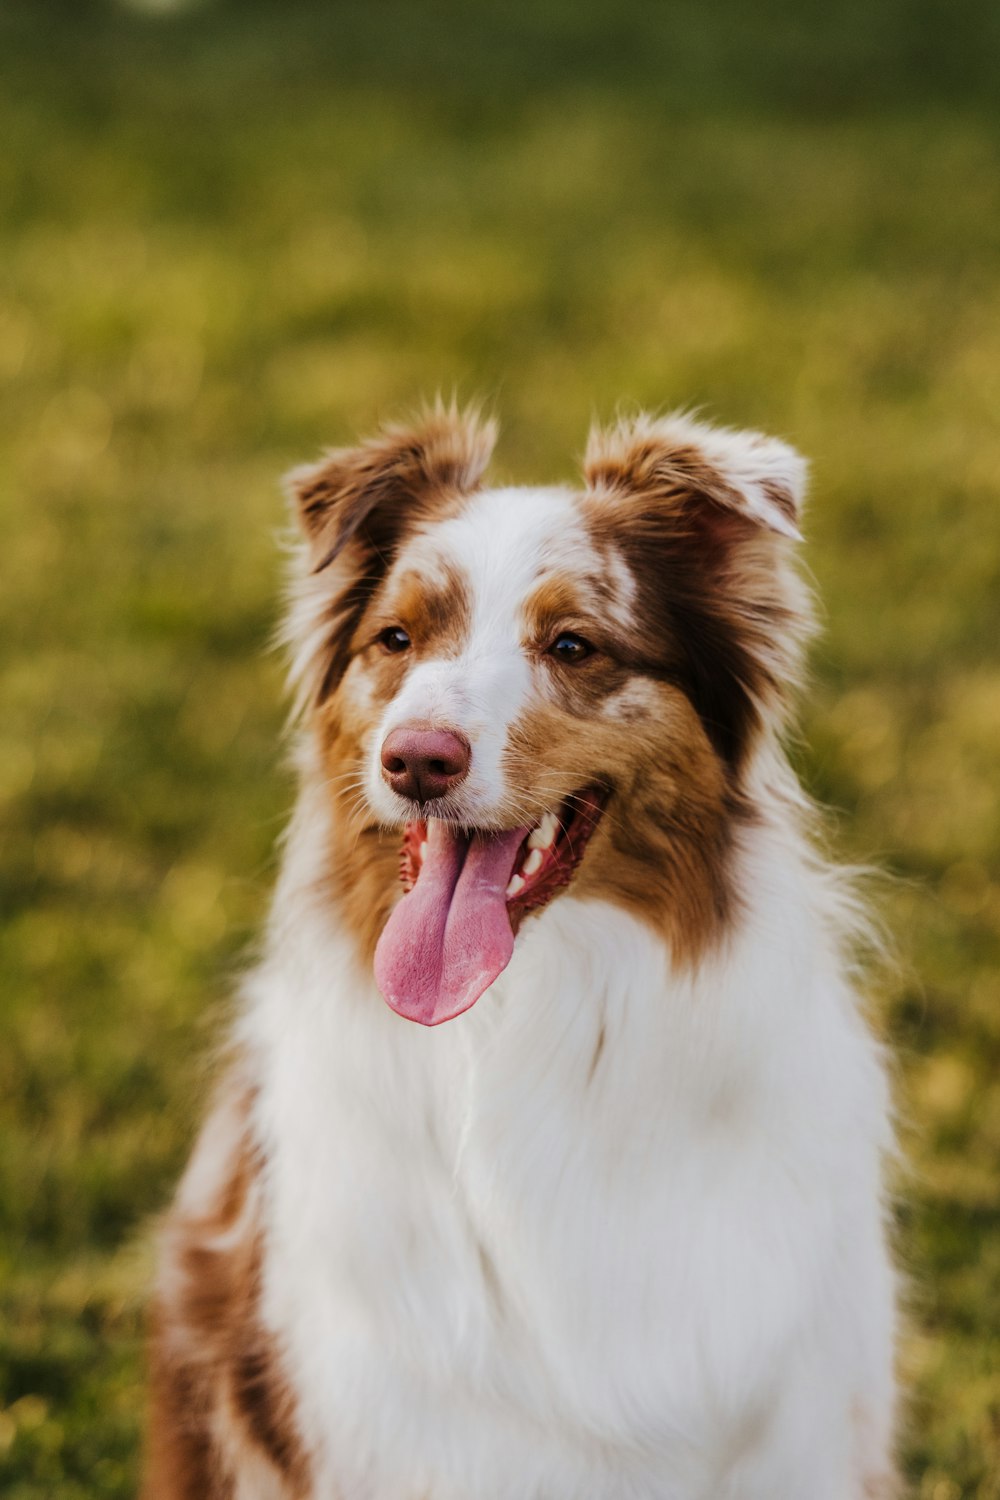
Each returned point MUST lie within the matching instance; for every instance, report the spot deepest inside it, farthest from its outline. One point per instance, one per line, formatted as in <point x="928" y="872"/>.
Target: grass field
<point x="232" y="233"/>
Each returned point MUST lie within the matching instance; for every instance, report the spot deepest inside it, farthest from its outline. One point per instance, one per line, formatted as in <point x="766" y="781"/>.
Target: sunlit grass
<point x="229" y="242"/>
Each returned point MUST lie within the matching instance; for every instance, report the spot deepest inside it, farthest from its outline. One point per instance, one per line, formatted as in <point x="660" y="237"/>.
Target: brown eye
<point x="570" y="648"/>
<point x="395" y="639"/>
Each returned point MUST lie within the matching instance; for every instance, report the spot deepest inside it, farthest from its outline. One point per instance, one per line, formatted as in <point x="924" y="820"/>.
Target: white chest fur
<point x="612" y="1233"/>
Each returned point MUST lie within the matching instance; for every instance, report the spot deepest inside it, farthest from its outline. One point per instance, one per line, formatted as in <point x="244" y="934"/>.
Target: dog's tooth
<point x="533" y="863"/>
<point x="544" y="836"/>
<point x="516" y="886"/>
<point x="423" y="850"/>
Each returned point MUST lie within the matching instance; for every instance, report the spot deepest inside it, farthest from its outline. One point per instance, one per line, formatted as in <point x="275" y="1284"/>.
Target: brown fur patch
<point x="363" y="867"/>
<point x="723" y="614"/>
<point x="358" y="509"/>
<point x="621" y="718"/>
<point x="585" y="602"/>
<point x="366" y="884"/>
<point x="565" y="602"/>
<point x="782" y="500"/>
<point x="434" y="611"/>
<point x="662" y="847"/>
<point x="220" y="1403"/>
<point x="357" y="505"/>
<point x="407" y="467"/>
<point x="363" y="870"/>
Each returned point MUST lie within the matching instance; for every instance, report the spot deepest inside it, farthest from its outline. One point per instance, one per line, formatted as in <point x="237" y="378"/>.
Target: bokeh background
<point x="233" y="232"/>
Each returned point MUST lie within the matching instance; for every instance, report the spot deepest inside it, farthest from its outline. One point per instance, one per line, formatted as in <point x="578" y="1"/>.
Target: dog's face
<point x="537" y="689"/>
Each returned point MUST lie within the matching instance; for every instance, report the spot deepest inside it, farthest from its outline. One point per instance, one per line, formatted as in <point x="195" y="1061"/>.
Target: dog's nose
<point x="422" y="764"/>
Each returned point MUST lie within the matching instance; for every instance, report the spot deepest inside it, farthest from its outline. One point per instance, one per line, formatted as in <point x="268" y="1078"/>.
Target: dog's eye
<point x="394" y="638"/>
<point x="570" y="648"/>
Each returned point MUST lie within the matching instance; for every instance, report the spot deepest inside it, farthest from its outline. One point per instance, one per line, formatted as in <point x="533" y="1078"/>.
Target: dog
<point x="618" y="1229"/>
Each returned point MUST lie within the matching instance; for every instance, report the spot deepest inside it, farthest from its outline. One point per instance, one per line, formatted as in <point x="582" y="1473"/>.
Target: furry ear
<point x="678" y="459"/>
<point x="397" y="476"/>
<point x="705" y="517"/>
<point x="354" y="507"/>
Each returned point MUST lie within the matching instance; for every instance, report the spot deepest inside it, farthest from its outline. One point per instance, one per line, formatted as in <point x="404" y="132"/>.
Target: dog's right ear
<point x="354" y="508"/>
<point x="368" y="495"/>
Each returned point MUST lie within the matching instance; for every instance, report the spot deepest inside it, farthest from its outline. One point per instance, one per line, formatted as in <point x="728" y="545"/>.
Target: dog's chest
<point x="515" y="1258"/>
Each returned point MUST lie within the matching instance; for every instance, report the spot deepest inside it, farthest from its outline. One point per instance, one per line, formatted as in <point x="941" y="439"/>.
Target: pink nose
<point x="421" y="764"/>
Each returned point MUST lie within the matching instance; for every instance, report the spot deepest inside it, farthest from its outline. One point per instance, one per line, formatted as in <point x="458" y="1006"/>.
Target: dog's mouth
<point x="467" y="891"/>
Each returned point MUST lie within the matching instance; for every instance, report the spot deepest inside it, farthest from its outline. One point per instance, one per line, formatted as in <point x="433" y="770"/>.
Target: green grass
<point x="233" y="233"/>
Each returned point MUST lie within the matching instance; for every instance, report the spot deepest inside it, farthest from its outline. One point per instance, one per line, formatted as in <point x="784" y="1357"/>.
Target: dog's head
<point x="536" y="689"/>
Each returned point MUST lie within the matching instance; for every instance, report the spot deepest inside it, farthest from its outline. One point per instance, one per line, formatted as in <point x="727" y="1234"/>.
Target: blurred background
<point x="233" y="232"/>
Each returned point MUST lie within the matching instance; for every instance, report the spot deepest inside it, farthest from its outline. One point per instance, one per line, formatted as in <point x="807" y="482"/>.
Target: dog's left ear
<point x="705" y="517"/>
<point x="724" y="477"/>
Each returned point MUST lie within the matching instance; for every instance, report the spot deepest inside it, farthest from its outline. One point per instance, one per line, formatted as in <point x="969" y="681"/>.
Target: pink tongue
<point x="450" y="937"/>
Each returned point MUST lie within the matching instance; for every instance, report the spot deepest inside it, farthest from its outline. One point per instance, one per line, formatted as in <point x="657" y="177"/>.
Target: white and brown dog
<point x="619" y="1231"/>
